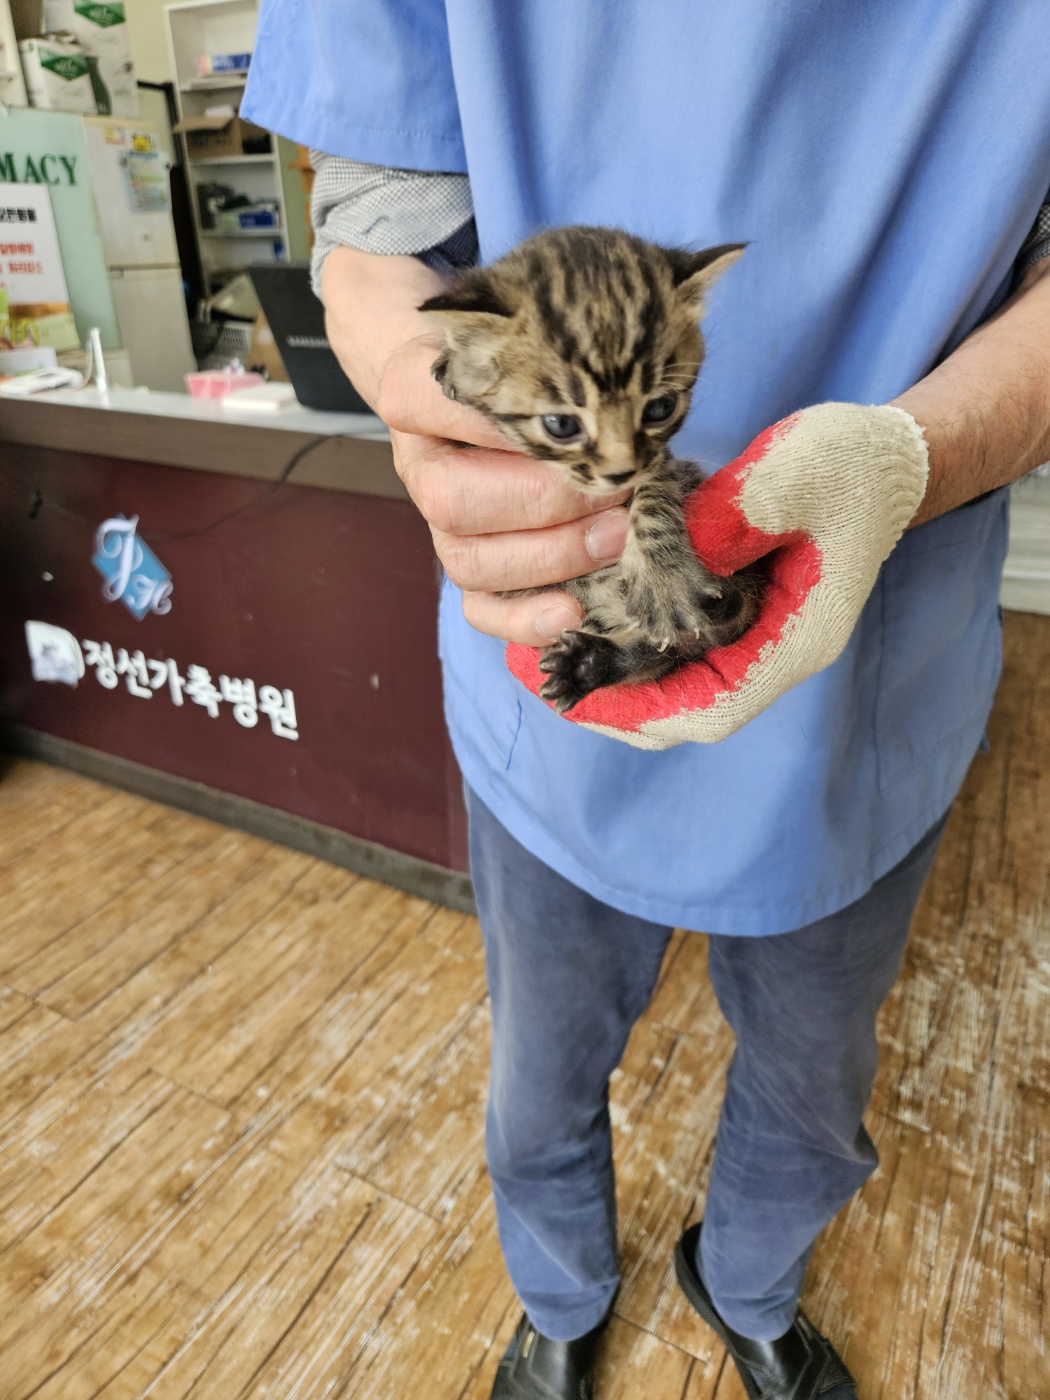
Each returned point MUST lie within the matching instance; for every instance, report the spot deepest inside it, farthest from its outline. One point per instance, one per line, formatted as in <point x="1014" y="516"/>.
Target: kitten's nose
<point x="618" y="469"/>
<point x="619" y="478"/>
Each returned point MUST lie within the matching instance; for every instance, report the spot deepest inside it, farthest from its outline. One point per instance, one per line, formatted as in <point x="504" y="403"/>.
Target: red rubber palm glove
<point x="822" y="496"/>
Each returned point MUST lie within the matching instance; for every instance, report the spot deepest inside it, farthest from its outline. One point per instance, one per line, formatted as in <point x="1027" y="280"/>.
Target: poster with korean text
<point x="34" y="302"/>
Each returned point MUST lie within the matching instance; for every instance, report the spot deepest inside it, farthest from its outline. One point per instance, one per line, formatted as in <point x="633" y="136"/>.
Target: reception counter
<point x="235" y="615"/>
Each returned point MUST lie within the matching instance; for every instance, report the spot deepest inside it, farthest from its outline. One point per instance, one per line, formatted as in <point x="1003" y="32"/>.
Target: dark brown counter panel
<point x="286" y="682"/>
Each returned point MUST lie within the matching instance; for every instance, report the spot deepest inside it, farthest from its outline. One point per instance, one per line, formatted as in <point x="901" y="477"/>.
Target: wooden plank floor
<point x="241" y="1098"/>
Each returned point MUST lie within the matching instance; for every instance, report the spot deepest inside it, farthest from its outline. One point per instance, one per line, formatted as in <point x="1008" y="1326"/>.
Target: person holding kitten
<point x="877" y="369"/>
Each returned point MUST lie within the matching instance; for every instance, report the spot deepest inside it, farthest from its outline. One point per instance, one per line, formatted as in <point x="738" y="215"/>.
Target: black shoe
<point x="800" y="1365"/>
<point x="535" y="1368"/>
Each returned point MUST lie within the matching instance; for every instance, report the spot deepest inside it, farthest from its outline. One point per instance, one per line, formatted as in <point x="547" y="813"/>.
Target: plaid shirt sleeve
<point x="1037" y="245"/>
<point x="380" y="209"/>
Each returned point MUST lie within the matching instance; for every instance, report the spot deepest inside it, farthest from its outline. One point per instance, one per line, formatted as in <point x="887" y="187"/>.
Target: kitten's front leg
<point x="669" y="593"/>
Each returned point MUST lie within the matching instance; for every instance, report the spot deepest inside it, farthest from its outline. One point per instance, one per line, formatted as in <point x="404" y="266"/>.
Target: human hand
<point x="821" y="497"/>
<point x="499" y="520"/>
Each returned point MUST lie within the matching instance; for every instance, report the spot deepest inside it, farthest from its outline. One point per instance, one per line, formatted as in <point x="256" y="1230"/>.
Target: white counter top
<point x="330" y="451"/>
<point x="185" y="408"/>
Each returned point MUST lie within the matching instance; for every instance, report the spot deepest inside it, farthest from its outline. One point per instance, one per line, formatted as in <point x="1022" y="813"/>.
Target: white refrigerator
<point x="129" y="172"/>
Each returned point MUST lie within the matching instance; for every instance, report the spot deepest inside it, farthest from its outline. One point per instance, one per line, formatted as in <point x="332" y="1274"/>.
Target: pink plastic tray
<point x="217" y="383"/>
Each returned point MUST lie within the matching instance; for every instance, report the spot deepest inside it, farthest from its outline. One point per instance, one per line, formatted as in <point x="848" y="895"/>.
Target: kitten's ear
<point x="471" y="304"/>
<point x="695" y="274"/>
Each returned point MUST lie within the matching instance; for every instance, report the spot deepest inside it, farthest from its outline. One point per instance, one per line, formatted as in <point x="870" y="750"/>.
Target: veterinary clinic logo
<point x="132" y="572"/>
<point x="54" y="653"/>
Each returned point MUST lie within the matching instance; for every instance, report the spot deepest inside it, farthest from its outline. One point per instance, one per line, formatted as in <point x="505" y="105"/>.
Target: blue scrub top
<point x="885" y="163"/>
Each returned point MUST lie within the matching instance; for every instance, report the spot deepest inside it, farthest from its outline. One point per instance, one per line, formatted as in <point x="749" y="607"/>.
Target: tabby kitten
<point x="583" y="346"/>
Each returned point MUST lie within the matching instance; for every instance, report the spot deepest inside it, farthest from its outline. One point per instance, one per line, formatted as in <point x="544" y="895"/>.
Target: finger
<point x="532" y="558"/>
<point x="410" y="400"/>
<point x="535" y="621"/>
<point x="474" y="491"/>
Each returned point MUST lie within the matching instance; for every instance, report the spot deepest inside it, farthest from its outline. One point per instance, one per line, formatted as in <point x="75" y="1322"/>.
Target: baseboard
<point x="1027" y="595"/>
<point x="1026" y="574"/>
<point x="415" y="876"/>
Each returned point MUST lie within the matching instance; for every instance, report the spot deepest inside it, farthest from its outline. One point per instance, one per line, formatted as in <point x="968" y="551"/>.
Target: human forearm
<point x="370" y="311"/>
<point x="985" y="410"/>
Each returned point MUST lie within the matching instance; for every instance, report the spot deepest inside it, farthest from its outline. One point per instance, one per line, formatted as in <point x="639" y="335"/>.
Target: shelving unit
<point x="235" y="160"/>
<point x="208" y="27"/>
<point x="274" y="234"/>
<point x="216" y="82"/>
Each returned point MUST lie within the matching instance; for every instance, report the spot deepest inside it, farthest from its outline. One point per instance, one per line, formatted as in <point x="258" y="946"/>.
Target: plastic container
<point x="211" y="64"/>
<point x="236" y="220"/>
<point x="258" y="218"/>
<point x="217" y="383"/>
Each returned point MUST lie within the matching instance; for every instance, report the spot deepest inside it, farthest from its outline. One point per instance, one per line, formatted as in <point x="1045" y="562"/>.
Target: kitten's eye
<point x="658" y="410"/>
<point x="562" y="427"/>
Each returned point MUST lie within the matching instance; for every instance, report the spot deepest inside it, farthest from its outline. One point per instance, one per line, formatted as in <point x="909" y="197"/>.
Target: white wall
<point x="147" y="28"/>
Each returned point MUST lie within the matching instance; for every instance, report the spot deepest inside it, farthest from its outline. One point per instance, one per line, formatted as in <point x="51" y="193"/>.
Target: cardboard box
<point x="102" y="29"/>
<point x="208" y="137"/>
<point x="58" y="76"/>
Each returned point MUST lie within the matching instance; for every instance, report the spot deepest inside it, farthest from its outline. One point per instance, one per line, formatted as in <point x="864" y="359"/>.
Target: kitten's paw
<point x="684" y="617"/>
<point x="729" y="616"/>
<point x="578" y="664"/>
<point x="660" y="619"/>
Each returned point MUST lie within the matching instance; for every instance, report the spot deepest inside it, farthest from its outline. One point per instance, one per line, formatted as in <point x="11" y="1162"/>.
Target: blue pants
<point x="569" y="976"/>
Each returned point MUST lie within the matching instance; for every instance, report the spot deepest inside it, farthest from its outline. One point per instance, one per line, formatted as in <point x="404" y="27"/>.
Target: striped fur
<point x="583" y="345"/>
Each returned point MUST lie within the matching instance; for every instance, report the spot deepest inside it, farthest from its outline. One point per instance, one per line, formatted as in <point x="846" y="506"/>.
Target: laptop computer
<point x="296" y="318"/>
